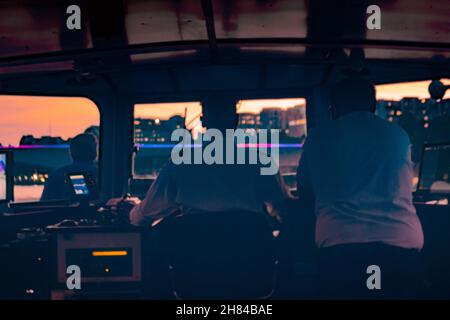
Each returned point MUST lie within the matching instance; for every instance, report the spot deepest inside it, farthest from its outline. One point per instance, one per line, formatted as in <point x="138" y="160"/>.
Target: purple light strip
<point x="270" y="145"/>
<point x="240" y="145"/>
<point x="52" y="146"/>
<point x="162" y="146"/>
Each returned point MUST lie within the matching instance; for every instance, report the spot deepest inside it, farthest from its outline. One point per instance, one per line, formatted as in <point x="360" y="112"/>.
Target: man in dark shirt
<point x="83" y="150"/>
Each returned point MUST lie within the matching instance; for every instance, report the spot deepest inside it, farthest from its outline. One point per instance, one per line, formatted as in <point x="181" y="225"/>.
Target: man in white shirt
<point x="210" y="188"/>
<point x="357" y="171"/>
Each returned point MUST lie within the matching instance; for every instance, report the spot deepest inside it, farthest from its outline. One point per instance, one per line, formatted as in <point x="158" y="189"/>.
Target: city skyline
<point x="47" y="117"/>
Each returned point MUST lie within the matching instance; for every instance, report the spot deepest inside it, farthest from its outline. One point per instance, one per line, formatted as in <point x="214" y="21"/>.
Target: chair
<point x="221" y="255"/>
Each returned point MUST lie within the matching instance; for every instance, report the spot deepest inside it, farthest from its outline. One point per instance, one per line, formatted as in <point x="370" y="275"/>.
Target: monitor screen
<point x="435" y="169"/>
<point x="3" y="180"/>
<point x="80" y="187"/>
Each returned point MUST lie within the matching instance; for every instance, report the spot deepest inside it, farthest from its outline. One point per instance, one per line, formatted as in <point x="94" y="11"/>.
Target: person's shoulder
<point x="391" y="126"/>
<point x="60" y="171"/>
<point x="57" y="175"/>
<point x="319" y="129"/>
<point x="392" y="130"/>
<point x="320" y="134"/>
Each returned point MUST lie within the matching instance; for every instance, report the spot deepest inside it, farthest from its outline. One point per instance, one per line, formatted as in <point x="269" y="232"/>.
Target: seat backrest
<point x="220" y="255"/>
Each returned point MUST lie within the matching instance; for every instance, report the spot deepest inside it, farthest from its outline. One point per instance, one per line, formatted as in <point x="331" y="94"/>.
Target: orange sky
<point x="192" y="109"/>
<point x="417" y="89"/>
<point x="57" y="116"/>
<point x="66" y="117"/>
<point x="164" y="111"/>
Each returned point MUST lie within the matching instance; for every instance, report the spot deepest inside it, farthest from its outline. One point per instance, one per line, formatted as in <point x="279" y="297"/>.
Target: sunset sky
<point x="66" y="117"/>
<point x="38" y="116"/>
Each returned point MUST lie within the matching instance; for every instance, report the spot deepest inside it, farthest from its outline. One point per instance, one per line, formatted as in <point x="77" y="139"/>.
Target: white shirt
<point x="209" y="188"/>
<point x="360" y="171"/>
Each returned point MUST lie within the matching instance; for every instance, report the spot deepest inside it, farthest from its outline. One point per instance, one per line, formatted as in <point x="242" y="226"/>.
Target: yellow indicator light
<point x="109" y="253"/>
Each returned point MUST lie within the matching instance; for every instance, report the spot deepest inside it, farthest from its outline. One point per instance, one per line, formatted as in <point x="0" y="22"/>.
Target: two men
<point x="356" y="171"/>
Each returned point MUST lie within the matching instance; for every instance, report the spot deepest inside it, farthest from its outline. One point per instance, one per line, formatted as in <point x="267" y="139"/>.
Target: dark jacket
<point x="56" y="188"/>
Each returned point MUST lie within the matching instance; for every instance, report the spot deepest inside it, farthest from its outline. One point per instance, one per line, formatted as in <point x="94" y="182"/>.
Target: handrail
<point x="197" y="44"/>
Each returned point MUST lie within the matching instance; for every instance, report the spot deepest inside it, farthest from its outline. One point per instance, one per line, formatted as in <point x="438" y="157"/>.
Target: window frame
<point x="92" y="99"/>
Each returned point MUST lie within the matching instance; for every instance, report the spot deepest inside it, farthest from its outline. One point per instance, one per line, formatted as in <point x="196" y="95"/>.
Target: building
<point x="29" y="140"/>
<point x="296" y="121"/>
<point x="291" y="122"/>
<point x="249" y="121"/>
<point x="423" y="110"/>
<point x="156" y="130"/>
<point x="273" y="118"/>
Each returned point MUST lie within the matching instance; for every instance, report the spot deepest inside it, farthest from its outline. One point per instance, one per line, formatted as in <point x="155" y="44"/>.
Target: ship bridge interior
<point x="130" y="53"/>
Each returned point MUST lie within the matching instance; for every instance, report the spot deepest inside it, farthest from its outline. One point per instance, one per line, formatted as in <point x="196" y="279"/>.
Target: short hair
<point x="220" y="116"/>
<point x="83" y="147"/>
<point x="94" y="130"/>
<point x="353" y="94"/>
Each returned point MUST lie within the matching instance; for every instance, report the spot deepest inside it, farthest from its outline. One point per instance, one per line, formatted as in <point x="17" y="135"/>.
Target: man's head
<point x="83" y="148"/>
<point x="220" y="115"/>
<point x="352" y="95"/>
<point x="94" y="130"/>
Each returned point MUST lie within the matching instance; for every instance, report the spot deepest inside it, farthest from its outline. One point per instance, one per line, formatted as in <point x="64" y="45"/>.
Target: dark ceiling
<point x="32" y="27"/>
<point x="126" y="34"/>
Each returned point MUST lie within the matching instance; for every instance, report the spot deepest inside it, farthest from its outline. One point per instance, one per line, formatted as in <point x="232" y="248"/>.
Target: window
<point x="287" y="115"/>
<point x="153" y="126"/>
<point x="154" y="123"/>
<point x="425" y="120"/>
<point x="39" y="130"/>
